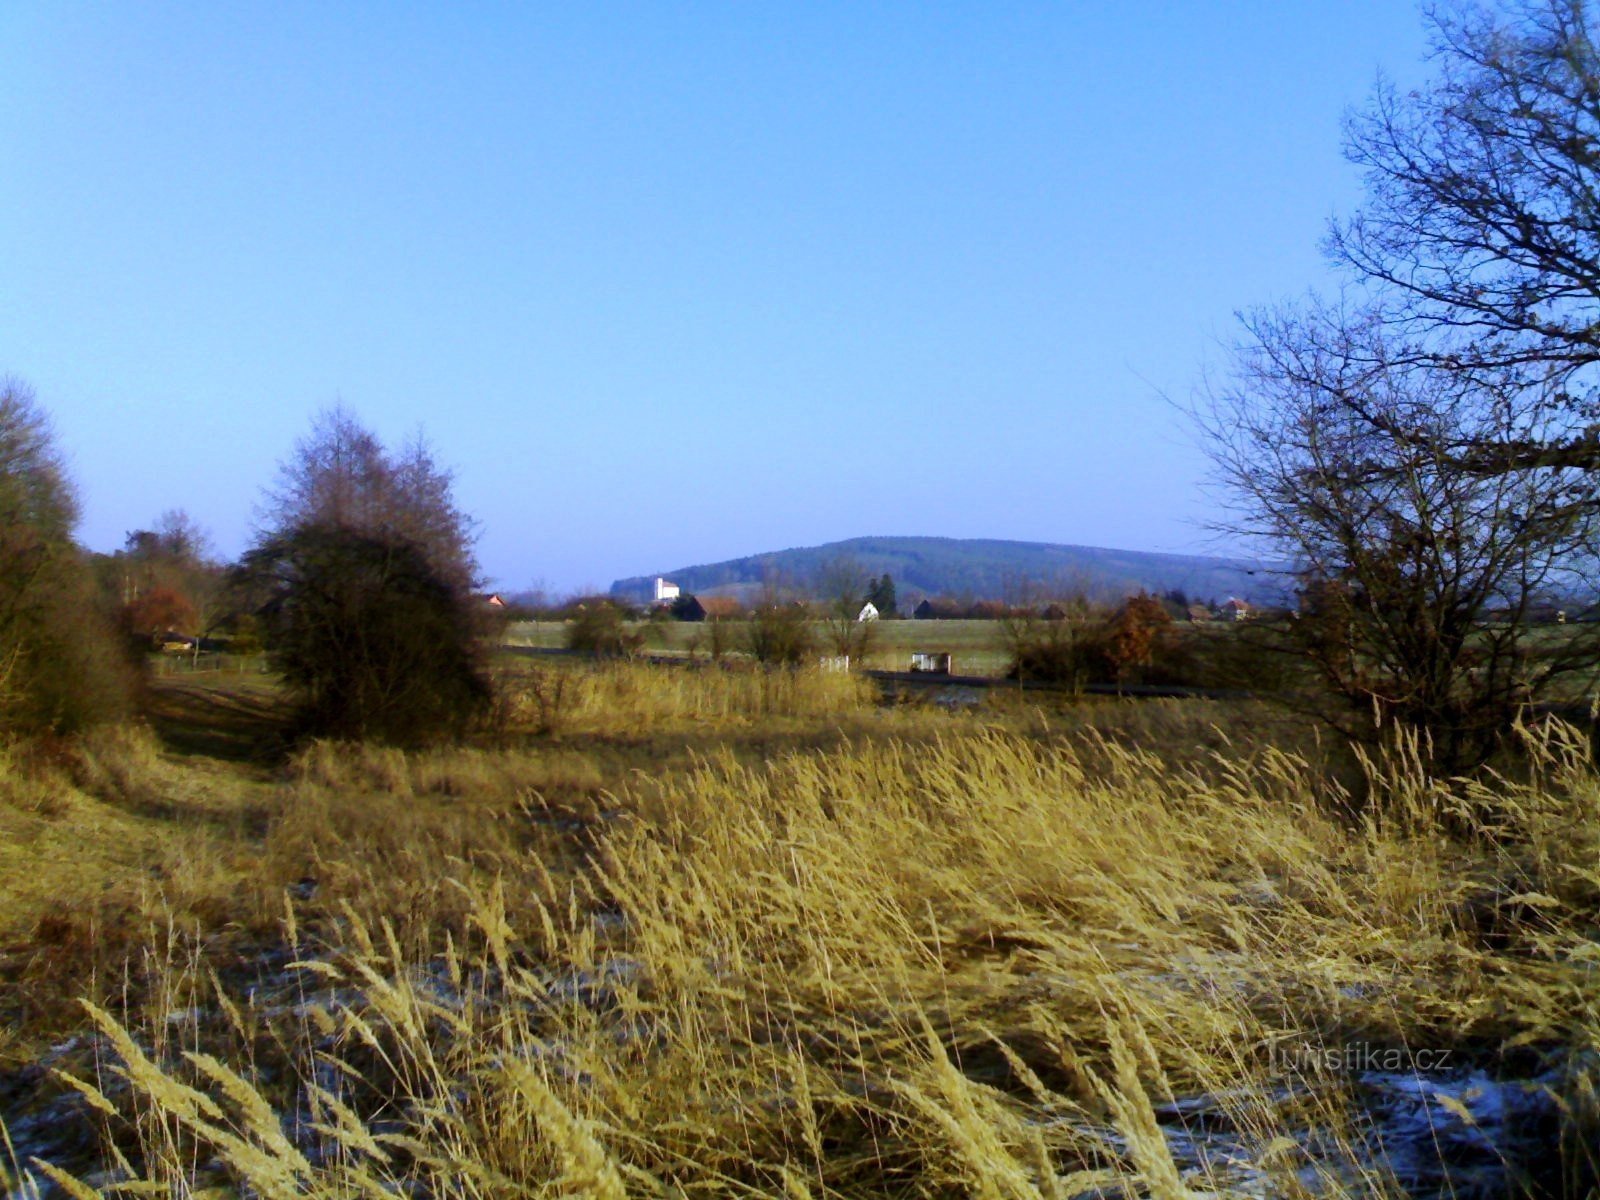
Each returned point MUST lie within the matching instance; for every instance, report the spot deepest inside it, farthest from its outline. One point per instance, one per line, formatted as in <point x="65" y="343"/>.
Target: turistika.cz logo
<point x="1356" y="1057"/>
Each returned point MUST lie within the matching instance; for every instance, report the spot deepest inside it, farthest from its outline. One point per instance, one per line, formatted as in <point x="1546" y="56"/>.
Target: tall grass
<point x="613" y="696"/>
<point x="983" y="965"/>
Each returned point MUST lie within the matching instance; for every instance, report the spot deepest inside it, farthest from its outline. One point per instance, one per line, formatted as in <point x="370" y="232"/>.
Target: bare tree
<point x="1482" y="225"/>
<point x="174" y="560"/>
<point x="1045" y="628"/>
<point x="1431" y="463"/>
<point x="778" y="631"/>
<point x="341" y="476"/>
<point x="183" y="538"/>
<point x="1420" y="575"/>
<point x="841" y="589"/>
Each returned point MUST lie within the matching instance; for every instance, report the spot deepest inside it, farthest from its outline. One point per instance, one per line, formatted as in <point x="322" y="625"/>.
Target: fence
<point x="208" y="663"/>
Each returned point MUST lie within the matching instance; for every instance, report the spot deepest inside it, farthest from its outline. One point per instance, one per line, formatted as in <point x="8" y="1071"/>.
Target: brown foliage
<point x="60" y="668"/>
<point x="161" y="609"/>
<point x="1137" y="632"/>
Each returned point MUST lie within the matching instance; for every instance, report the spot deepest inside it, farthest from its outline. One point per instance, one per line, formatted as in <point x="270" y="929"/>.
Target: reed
<point x="985" y="961"/>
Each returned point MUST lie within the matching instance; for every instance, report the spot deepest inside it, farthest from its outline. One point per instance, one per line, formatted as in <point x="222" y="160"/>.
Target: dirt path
<point x="238" y="718"/>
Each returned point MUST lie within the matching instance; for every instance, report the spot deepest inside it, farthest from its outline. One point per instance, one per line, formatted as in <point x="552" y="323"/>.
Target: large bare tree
<point x="1481" y="227"/>
<point x="1420" y="576"/>
<point x="841" y="588"/>
<point x="1431" y="460"/>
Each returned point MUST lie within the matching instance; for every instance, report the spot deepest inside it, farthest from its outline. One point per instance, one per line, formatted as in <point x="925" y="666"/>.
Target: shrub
<point x="372" y="641"/>
<point x="1136" y="644"/>
<point x="601" y="629"/>
<point x="1137" y="636"/>
<point x="780" y="635"/>
<point x="1058" y="653"/>
<point x="159" y="610"/>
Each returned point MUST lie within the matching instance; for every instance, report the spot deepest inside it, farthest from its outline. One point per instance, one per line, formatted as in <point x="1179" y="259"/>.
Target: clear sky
<point x="668" y="283"/>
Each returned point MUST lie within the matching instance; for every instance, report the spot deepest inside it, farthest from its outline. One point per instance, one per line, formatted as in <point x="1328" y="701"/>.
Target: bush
<point x="1056" y="652"/>
<point x="373" y="642"/>
<point x="367" y="590"/>
<point x="780" y="635"/>
<point x="1137" y="644"/>
<point x="601" y="629"/>
<point x="1138" y="639"/>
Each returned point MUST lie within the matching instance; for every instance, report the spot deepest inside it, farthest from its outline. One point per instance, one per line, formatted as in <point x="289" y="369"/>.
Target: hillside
<point x="979" y="568"/>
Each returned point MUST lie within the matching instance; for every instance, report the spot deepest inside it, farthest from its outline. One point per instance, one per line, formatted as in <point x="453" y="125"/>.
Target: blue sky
<point x="668" y="283"/>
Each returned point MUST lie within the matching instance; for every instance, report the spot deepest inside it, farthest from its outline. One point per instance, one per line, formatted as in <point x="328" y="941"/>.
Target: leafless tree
<point x="1045" y="628"/>
<point x="341" y="476"/>
<point x="1420" y="576"/>
<point x="174" y="556"/>
<point x="779" y="630"/>
<point x="841" y="590"/>
<point x="1481" y="229"/>
<point x="1431" y="460"/>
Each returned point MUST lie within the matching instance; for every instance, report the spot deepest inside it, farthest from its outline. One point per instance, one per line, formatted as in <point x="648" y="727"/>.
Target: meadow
<point x="978" y="647"/>
<point x="674" y="932"/>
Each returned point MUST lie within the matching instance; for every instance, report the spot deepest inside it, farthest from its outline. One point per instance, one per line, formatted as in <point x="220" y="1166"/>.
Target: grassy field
<point x="676" y="933"/>
<point x="978" y="647"/>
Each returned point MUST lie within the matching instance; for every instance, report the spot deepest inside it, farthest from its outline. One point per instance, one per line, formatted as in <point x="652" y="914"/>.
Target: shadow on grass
<point x="239" y="718"/>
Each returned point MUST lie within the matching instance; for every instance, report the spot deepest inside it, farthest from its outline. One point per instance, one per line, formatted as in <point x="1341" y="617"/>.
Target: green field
<point x="978" y="647"/>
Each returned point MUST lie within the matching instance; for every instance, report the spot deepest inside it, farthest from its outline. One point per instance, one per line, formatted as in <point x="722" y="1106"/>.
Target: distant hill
<point x="979" y="568"/>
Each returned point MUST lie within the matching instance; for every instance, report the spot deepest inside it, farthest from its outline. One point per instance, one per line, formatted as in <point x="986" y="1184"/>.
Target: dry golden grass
<point x="610" y="696"/>
<point x="939" y="955"/>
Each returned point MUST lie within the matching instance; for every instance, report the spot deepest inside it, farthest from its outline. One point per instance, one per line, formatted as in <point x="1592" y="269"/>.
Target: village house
<point x="940" y="610"/>
<point x="688" y="608"/>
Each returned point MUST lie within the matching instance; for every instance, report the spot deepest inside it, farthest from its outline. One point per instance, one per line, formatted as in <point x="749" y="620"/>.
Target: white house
<point x="666" y="591"/>
<point x="869" y="612"/>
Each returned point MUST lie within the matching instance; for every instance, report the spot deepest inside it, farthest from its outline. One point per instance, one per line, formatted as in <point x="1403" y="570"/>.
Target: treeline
<point x="360" y="587"/>
<point x="1175" y="602"/>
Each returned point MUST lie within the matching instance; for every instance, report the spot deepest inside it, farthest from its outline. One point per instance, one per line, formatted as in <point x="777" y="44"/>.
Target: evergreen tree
<point x="881" y="596"/>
